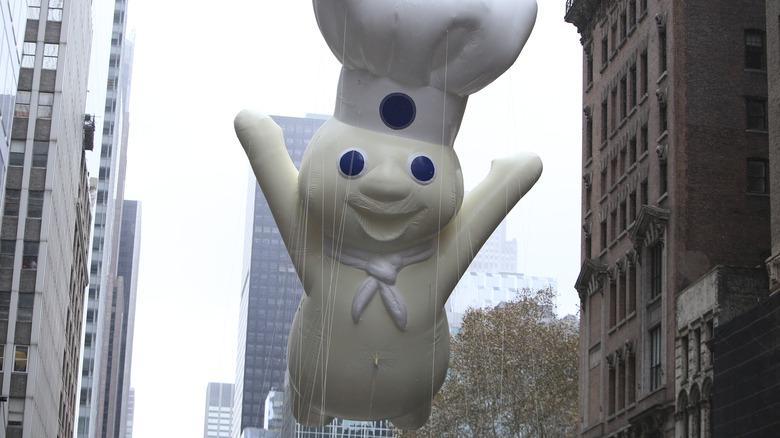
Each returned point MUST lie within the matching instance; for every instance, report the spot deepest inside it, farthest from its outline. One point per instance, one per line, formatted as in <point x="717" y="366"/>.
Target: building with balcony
<point x="675" y="183"/>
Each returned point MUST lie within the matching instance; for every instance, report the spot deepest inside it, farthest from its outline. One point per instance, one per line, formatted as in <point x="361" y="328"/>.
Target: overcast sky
<point x="195" y="67"/>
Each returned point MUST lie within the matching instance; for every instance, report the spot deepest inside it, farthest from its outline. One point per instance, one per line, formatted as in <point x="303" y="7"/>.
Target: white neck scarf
<point x="382" y="270"/>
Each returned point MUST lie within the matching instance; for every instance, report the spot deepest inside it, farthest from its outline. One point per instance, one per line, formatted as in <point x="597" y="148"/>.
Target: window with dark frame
<point x="589" y="136"/>
<point x="5" y="305"/>
<point x="656" y="270"/>
<point x="623" y="98"/>
<point x="645" y="78"/>
<point x="7" y="252"/>
<point x="757" y="176"/>
<point x="655" y="358"/>
<point x="756" y="113"/>
<point x="589" y="65"/>
<point x="662" y="56"/>
<point x="632" y="86"/>
<point x="12" y="199"/>
<point x="24" y="307"/>
<point x="604" y="127"/>
<point x="754" y="49"/>
<point x="684" y="357"/>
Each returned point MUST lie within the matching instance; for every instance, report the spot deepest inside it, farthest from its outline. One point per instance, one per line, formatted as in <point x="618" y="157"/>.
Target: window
<point x="655" y="358"/>
<point x="623" y="25"/>
<point x="631" y="295"/>
<point x="614" y="104"/>
<point x="2" y="357"/>
<point x="55" y="10"/>
<point x="35" y="203"/>
<point x="613" y="303"/>
<point x="16" y="155"/>
<point x="589" y="65"/>
<point x="611" y="390"/>
<point x="756" y="113"/>
<point x="604" y="127"/>
<point x="589" y="136"/>
<point x="656" y="270"/>
<point x="30" y="260"/>
<point x="623" y="215"/>
<point x="631" y="384"/>
<point x="7" y="250"/>
<point x="623" y="98"/>
<point x="22" y="107"/>
<point x="757" y="175"/>
<point x="663" y="118"/>
<point x="28" y="54"/>
<point x="644" y="137"/>
<point x="754" y="49"/>
<point x="632" y="14"/>
<point x="684" y="357"/>
<point x="663" y="170"/>
<point x="604" y="48"/>
<point x="33" y="9"/>
<point x="604" y="234"/>
<point x="644" y="79"/>
<point x="632" y="86"/>
<point x="662" y="50"/>
<point x="40" y="153"/>
<point x="50" y="54"/>
<point x="12" y="197"/>
<point x="631" y="151"/>
<point x="697" y="343"/>
<point x="45" y="104"/>
<point x="5" y="305"/>
<point x="24" y="310"/>
<point x="20" y="359"/>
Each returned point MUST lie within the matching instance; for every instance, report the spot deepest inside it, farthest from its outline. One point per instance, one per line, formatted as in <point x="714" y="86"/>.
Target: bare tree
<point x="513" y="372"/>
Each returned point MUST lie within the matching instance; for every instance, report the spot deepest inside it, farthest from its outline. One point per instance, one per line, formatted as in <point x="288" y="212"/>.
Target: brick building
<point x="675" y="184"/>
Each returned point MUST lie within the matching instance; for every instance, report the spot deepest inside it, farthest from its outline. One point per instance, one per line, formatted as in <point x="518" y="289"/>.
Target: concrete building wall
<point x="45" y="222"/>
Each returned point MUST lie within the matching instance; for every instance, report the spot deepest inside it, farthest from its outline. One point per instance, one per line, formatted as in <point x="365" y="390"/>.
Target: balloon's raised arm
<point x="263" y="143"/>
<point x="483" y="210"/>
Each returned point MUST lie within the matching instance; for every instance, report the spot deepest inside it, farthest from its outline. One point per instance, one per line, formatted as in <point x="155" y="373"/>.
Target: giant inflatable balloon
<point x="375" y="221"/>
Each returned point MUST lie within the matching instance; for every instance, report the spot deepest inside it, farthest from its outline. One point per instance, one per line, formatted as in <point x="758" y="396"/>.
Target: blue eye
<point x="422" y="168"/>
<point x="351" y="163"/>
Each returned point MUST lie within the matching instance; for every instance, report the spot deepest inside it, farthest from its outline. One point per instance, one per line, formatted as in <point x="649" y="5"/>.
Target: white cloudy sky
<point x="195" y="67"/>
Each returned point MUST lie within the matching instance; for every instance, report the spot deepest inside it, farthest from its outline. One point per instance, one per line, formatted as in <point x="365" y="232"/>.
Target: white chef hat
<point x="410" y="65"/>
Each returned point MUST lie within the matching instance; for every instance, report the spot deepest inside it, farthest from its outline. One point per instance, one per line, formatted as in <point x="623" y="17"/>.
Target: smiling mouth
<point x="384" y="226"/>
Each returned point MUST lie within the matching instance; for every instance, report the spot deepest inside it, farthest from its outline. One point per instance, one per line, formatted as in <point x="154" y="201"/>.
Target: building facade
<point x="44" y="236"/>
<point x="715" y="299"/>
<point x="13" y="15"/>
<point x="675" y="183"/>
<point x="105" y="233"/>
<point x="270" y="294"/>
<point x="120" y="322"/>
<point x="219" y="405"/>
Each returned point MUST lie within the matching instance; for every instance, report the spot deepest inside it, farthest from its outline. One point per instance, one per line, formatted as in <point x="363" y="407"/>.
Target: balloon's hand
<point x="263" y="142"/>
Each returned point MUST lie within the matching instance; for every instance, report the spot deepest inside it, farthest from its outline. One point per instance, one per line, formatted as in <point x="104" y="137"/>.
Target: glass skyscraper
<point x="269" y="296"/>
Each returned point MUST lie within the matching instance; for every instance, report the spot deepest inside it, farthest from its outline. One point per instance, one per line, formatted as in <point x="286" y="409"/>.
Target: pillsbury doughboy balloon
<point x="375" y="220"/>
